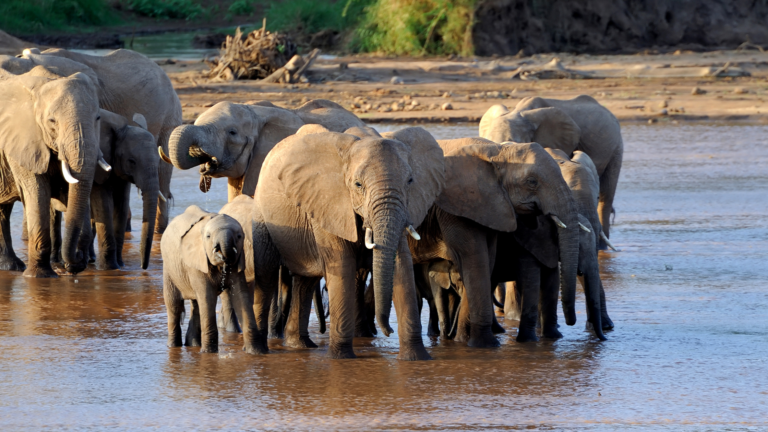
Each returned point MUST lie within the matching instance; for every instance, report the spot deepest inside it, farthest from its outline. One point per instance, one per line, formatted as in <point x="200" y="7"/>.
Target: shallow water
<point x="688" y="353"/>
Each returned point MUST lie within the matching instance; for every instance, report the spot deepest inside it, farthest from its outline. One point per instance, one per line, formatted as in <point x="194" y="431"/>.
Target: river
<point x="687" y="293"/>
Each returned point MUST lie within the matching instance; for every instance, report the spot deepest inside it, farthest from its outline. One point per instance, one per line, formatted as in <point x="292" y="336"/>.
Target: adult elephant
<point x="580" y="123"/>
<point x="322" y="194"/>
<point x="232" y="140"/>
<point x="128" y="83"/>
<point x="50" y="144"/>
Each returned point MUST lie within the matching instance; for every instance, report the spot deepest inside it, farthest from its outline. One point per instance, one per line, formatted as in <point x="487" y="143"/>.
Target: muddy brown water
<point x="687" y="294"/>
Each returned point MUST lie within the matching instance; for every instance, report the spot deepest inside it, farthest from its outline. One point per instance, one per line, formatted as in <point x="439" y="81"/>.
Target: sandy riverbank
<point x="657" y="87"/>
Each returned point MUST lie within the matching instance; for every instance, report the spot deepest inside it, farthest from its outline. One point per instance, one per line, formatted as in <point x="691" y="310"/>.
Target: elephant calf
<point x="203" y="255"/>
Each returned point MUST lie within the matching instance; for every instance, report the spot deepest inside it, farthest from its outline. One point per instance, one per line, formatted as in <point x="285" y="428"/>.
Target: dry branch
<point x="255" y="56"/>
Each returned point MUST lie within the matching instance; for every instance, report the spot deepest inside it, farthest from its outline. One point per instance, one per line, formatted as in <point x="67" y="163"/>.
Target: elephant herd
<point x="512" y="218"/>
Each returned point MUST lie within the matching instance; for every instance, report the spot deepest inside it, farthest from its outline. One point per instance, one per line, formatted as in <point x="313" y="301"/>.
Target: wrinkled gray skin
<point x="128" y="83"/>
<point x="203" y="253"/>
<point x="131" y="151"/>
<point x="568" y="125"/>
<point x="45" y="122"/>
<point x="320" y="192"/>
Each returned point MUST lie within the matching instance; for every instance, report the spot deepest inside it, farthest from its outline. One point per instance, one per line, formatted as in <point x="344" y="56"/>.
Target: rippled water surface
<point x="687" y="293"/>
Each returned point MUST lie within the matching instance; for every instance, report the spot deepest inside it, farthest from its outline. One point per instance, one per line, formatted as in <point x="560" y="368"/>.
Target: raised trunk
<point x="182" y="138"/>
<point x="149" y="195"/>
<point x="388" y="225"/>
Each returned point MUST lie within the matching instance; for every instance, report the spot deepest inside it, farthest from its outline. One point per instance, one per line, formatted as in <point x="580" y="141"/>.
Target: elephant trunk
<point x="149" y="197"/>
<point x="568" y="245"/>
<point x="388" y="223"/>
<point x="79" y="154"/>
<point x="182" y="139"/>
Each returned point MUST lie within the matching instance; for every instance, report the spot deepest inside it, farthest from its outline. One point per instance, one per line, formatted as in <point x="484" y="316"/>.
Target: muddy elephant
<point x="49" y="149"/>
<point x="580" y="123"/>
<point x="232" y="140"/>
<point x="128" y="83"/>
<point x="203" y="255"/>
<point x="131" y="151"/>
<point x="330" y="200"/>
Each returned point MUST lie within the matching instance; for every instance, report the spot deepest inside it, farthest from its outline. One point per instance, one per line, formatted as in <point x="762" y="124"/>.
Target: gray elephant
<point x="50" y="149"/>
<point x="128" y="83"/>
<point x="328" y="200"/>
<point x="203" y="254"/>
<point x="580" y="123"/>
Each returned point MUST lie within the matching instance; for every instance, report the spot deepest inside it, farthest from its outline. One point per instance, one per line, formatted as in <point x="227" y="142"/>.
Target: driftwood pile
<point x="261" y="55"/>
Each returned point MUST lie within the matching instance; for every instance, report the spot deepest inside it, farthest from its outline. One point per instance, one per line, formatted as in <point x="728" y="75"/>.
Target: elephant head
<point x="385" y="183"/>
<point x="59" y="117"/>
<point x="581" y="176"/>
<point x="549" y="126"/>
<point x="215" y="241"/>
<point x="492" y="183"/>
<point x="130" y="150"/>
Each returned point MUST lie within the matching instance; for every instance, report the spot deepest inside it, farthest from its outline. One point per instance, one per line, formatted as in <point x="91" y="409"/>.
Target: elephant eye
<point x="239" y="236"/>
<point x="233" y="132"/>
<point x="410" y="180"/>
<point x="531" y="182"/>
<point x="207" y="236"/>
<point x="98" y="118"/>
<point x="358" y="184"/>
<point x="52" y="120"/>
<point x="131" y="161"/>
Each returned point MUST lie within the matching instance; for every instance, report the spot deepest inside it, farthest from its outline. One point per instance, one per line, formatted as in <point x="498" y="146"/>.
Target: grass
<point x="30" y="16"/>
<point x="167" y="9"/>
<point x="312" y="16"/>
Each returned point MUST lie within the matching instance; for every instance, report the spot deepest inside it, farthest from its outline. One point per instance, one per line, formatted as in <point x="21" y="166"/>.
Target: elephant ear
<point x="191" y="224"/>
<point x="362" y="132"/>
<point x="312" y="177"/>
<point x="539" y="238"/>
<point x="140" y="120"/>
<point x="329" y="114"/>
<point x="308" y="129"/>
<point x="486" y="121"/>
<point x="473" y="188"/>
<point x="428" y="168"/>
<point x="553" y="128"/>
<point x="21" y="139"/>
<point x="112" y="127"/>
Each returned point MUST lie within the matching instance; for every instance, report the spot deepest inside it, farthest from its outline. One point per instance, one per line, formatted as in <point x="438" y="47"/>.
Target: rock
<point x="663" y="104"/>
<point x="493" y="94"/>
<point x="446" y="106"/>
<point x="698" y="91"/>
<point x="207" y="105"/>
<point x="740" y="90"/>
<point x="414" y="103"/>
<point x="651" y="121"/>
<point x="433" y="107"/>
<point x="663" y="112"/>
<point x="397" y="106"/>
<point x="447" y="94"/>
<point x="396" y="80"/>
<point x="385" y="109"/>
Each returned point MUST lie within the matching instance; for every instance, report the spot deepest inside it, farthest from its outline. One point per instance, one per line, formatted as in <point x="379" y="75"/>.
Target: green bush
<point x="29" y="16"/>
<point x="312" y="16"/>
<point x="417" y="27"/>
<point x="184" y="9"/>
<point x="241" y="7"/>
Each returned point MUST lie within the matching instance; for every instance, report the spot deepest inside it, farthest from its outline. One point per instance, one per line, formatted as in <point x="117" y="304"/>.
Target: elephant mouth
<point x="210" y="164"/>
<point x="526" y="207"/>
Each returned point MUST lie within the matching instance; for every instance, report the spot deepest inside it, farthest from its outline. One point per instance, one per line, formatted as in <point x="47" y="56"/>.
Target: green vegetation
<point x="184" y="9"/>
<point x="29" y="16"/>
<point x="312" y="16"/>
<point x="241" y="7"/>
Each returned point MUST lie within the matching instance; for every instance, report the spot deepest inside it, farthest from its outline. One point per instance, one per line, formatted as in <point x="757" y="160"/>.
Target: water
<point x="688" y="353"/>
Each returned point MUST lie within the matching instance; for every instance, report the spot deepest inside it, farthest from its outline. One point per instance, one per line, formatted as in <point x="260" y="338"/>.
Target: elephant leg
<point x="340" y="277"/>
<point x="297" y="325"/>
<point x="424" y="288"/>
<point x="496" y="328"/>
<point x="91" y="249"/>
<point x="102" y="206"/>
<point x="37" y="201"/>
<point x="24" y="228"/>
<point x="242" y="300"/>
<point x="164" y="171"/>
<point x="361" y="323"/>
<point x="499" y="295"/>
<point x="121" y="216"/>
<point x="370" y="308"/>
<point x="194" y="329"/>
<point x="319" y="309"/>
<point x="8" y="259"/>
<point x="550" y="285"/>
<point x="461" y="332"/>
<point x="277" y="313"/>
<point x="210" y="332"/>
<point x="529" y="283"/>
<point x="128" y="222"/>
<point x="605" y="319"/>
<point x="476" y="276"/>
<point x="511" y="301"/>
<point x="405" y="298"/>
<point x="85" y="242"/>
<point x="609" y="180"/>
<point x="174" y="306"/>
<point x="227" y="318"/>
<point x="441" y="308"/>
<point x="590" y="281"/>
<point x="56" y="237"/>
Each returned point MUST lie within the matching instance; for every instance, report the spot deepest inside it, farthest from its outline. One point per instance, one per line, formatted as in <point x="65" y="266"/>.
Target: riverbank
<point x="727" y="86"/>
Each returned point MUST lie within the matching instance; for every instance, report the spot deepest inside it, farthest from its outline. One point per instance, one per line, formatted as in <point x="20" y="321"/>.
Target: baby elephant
<point x="203" y="255"/>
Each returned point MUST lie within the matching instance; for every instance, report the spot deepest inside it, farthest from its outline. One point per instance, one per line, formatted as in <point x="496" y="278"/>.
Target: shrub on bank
<point x="312" y="16"/>
<point x="29" y="16"/>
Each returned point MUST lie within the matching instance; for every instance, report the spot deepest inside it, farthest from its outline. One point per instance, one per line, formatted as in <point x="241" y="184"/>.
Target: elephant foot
<point x="363" y="331"/>
<point x="496" y="328"/>
<point x="606" y="321"/>
<point x="120" y="262"/>
<point x="9" y="263"/>
<point x="209" y="349"/>
<point x="413" y="354"/>
<point x="551" y="333"/>
<point x="174" y="342"/>
<point x="342" y="352"/>
<point x="430" y="332"/>
<point x="274" y="335"/>
<point x="40" y="272"/>
<point x="255" y="350"/>
<point x="107" y="265"/>
<point x="527" y="335"/>
<point x="229" y="325"/>
<point x="299" y="342"/>
<point x="484" y="339"/>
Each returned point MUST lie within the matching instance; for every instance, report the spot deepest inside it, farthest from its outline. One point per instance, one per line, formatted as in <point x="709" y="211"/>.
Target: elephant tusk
<point x="581" y="225"/>
<point x="104" y="165"/>
<point x="235" y="250"/>
<point x="163" y="156"/>
<point x="67" y="174"/>
<point x="161" y="196"/>
<point x="214" y="160"/>
<point x="412" y="232"/>
<point x="608" y="242"/>
<point x="558" y="222"/>
<point x="369" y="239"/>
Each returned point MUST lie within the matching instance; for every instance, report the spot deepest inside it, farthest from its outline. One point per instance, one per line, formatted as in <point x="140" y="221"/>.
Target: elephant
<point x="132" y="153"/>
<point x="580" y="123"/>
<point x="203" y="255"/>
<point x="232" y="140"/>
<point x="49" y="149"/>
<point x="128" y="83"/>
<point x="331" y="199"/>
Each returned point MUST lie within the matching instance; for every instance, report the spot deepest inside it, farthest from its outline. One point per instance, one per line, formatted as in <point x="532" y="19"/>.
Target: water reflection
<point x="687" y="295"/>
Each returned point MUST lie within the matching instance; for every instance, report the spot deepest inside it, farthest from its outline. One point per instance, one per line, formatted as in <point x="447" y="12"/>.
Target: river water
<point x="687" y="293"/>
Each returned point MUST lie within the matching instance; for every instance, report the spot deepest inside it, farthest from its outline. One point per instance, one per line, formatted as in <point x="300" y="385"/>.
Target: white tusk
<point x="67" y="174"/>
<point x="608" y="242"/>
<point x="234" y="249"/>
<point x="581" y="225"/>
<point x="163" y="156"/>
<point x="104" y="165"/>
<point x="412" y="232"/>
<point x="558" y="222"/>
<point x="161" y="196"/>
<point x="369" y="239"/>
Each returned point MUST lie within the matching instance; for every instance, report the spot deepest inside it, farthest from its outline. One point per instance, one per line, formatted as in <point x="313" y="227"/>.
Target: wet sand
<point x="687" y="294"/>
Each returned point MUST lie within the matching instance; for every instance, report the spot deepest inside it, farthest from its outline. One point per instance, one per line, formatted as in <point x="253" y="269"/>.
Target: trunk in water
<point x="182" y="138"/>
<point x="148" y="222"/>
<point x="80" y="156"/>
<point x="388" y="226"/>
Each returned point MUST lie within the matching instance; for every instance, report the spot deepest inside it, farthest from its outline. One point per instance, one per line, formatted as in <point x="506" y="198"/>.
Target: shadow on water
<point x="689" y="350"/>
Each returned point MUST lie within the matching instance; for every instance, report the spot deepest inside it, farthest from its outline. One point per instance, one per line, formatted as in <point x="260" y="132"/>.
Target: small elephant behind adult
<point x="580" y="123"/>
<point x="203" y="255"/>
